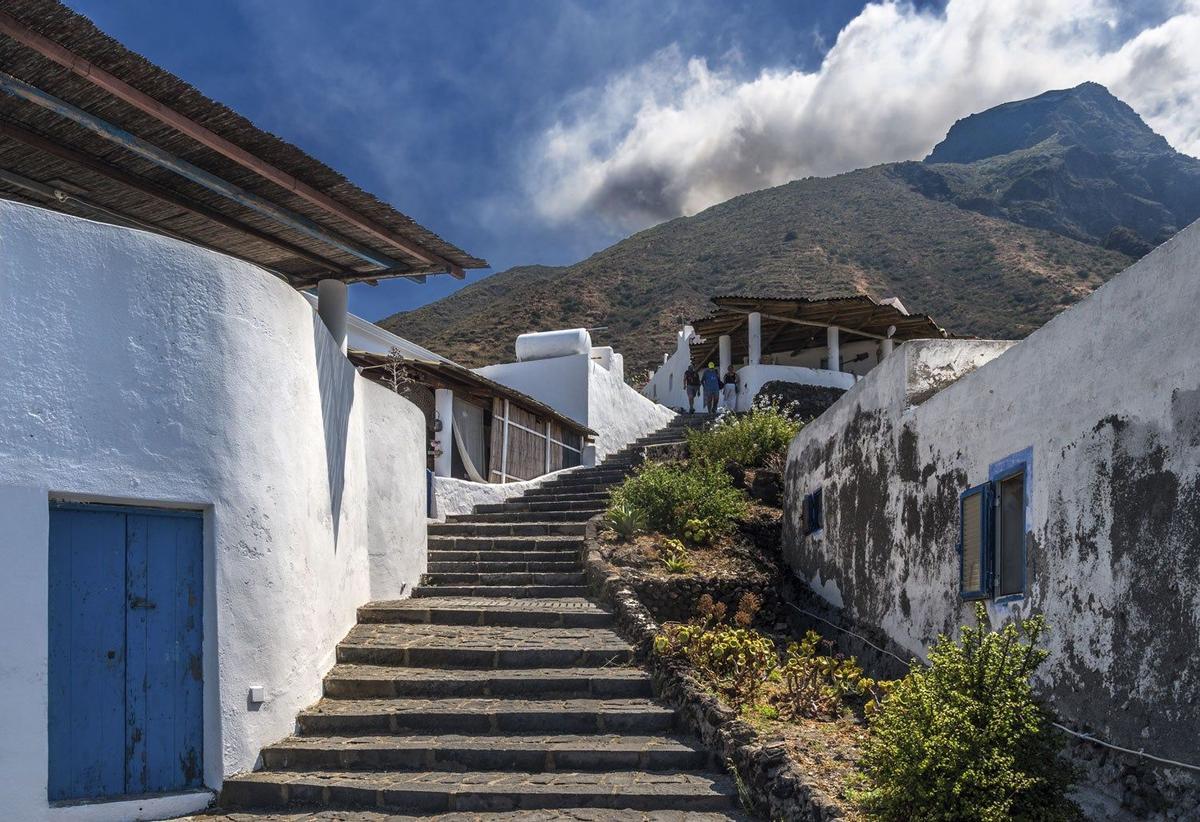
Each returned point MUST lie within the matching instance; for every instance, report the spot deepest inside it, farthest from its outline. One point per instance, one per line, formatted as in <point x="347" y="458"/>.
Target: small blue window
<point x="974" y="538"/>
<point x="814" y="515"/>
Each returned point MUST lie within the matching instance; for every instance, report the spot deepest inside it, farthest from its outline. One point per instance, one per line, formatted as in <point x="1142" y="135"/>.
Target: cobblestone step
<point x="508" y="515"/>
<point x="506" y="566"/>
<point x="439" y="555"/>
<point x="483" y="715"/>
<point x="532" y="753"/>
<point x="503" y="578"/>
<point x="546" y="815"/>
<point x="470" y="542"/>
<point x="482" y="646"/>
<point x="524" y="504"/>
<point x="497" y="611"/>
<point x="539" y="494"/>
<point x="443" y="791"/>
<point x="348" y="681"/>
<point x="518" y="591"/>
<point x="507" y="529"/>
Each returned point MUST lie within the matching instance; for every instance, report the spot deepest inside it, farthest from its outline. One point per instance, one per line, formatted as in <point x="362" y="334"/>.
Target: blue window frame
<point x="993" y="524"/>
<point x="974" y="540"/>
<point x="814" y="514"/>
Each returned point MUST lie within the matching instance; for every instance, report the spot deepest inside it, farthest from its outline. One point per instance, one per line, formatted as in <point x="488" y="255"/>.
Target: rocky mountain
<point x="1019" y="212"/>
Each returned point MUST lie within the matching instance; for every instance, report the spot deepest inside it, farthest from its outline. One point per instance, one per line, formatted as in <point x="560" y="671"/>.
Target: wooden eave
<point x="463" y="382"/>
<point x="792" y="324"/>
<point x="63" y="55"/>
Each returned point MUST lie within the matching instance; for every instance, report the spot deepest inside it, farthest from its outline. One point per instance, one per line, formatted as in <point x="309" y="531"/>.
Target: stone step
<point x="515" y="591"/>
<point x="547" y="815"/>
<point x="543" y="495"/>
<point x="504" y="578"/>
<point x="507" y="529"/>
<point x="509" y="612"/>
<point x="508" y="515"/>
<point x="483" y="715"/>
<point x="439" y="555"/>
<point x="605" y="477"/>
<point x="533" y="753"/>
<point x="482" y="646"/>
<point x="511" y="566"/>
<point x="348" y="681"/>
<point x="444" y="791"/>
<point x="554" y="542"/>
<point x="552" y="504"/>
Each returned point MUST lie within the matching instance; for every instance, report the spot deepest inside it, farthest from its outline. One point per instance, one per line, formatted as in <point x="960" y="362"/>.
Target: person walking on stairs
<point x="711" y="381"/>
<point x="729" y="389"/>
<point x="691" y="385"/>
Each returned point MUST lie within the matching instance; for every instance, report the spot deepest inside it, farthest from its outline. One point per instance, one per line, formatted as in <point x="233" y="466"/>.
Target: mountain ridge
<point x="993" y="247"/>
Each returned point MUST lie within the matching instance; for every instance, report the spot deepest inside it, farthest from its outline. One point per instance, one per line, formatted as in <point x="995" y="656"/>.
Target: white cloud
<point x="676" y="134"/>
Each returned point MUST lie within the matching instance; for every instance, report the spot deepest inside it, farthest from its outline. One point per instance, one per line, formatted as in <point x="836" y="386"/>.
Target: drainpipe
<point x="888" y="345"/>
<point x="332" y="302"/>
<point x="833" y="340"/>
<point x="754" y="332"/>
<point x="443" y="403"/>
<point x="725" y="353"/>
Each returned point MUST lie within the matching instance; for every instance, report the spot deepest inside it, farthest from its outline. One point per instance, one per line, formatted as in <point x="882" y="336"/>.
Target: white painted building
<point x="585" y="382"/>
<point x="1058" y="475"/>
<point x="789" y="346"/>
<point x="144" y="372"/>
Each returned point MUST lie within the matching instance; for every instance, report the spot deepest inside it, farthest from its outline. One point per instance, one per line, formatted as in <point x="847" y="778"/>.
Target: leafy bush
<point x="736" y="661"/>
<point x="625" y="521"/>
<point x="697" y="531"/>
<point x="667" y="496"/>
<point x="816" y="685"/>
<point x="965" y="739"/>
<point x="675" y="556"/>
<point x="746" y="439"/>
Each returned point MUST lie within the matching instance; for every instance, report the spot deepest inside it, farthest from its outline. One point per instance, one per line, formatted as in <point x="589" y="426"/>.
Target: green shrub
<point x="668" y="496"/>
<point x="736" y="661"/>
<point x="625" y="521"/>
<point x="816" y="684"/>
<point x="964" y="739"/>
<point x="675" y="557"/>
<point x="746" y="439"/>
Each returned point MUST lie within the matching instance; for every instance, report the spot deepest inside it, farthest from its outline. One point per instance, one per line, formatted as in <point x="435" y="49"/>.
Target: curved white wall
<point x="142" y="370"/>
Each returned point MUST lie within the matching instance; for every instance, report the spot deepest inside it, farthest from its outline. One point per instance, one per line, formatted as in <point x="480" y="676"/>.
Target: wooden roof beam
<point x="46" y="47"/>
<point x="40" y="143"/>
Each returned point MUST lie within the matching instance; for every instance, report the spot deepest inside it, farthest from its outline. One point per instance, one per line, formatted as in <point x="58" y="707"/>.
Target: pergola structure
<point x="91" y="128"/>
<point x="746" y="328"/>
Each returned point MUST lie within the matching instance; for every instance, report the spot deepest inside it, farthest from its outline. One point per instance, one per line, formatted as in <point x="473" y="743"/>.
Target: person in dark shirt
<point x="691" y="384"/>
<point x="729" y="389"/>
<point x="711" y="380"/>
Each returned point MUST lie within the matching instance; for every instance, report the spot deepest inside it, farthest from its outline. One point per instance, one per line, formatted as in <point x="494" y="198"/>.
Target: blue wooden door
<point x="125" y="713"/>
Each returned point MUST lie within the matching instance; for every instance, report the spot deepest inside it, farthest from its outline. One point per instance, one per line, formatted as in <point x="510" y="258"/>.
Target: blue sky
<point x="540" y="131"/>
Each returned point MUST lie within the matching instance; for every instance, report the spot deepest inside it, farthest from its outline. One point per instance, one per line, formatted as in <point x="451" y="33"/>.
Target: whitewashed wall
<point x="1107" y="396"/>
<point x="458" y="496"/>
<point x="666" y="385"/>
<point x="140" y="370"/>
<point x="582" y="388"/>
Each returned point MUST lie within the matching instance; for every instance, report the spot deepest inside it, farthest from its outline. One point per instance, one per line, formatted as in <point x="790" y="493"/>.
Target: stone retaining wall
<point x="776" y="787"/>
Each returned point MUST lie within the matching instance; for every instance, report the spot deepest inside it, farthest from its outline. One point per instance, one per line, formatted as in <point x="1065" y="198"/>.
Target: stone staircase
<point x="497" y="687"/>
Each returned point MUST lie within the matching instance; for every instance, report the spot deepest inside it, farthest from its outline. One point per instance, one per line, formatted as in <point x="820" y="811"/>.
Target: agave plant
<point x="625" y="521"/>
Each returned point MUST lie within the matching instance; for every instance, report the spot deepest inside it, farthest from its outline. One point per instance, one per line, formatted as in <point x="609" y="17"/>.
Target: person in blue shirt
<point x="711" y="382"/>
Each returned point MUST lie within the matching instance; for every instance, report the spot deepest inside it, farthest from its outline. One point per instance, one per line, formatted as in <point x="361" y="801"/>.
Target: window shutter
<point x="975" y="516"/>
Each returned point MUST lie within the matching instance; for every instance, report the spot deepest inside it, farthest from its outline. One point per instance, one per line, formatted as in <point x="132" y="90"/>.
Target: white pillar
<point x="443" y="402"/>
<point x="835" y="348"/>
<point x="887" y="349"/>
<point x="754" y="330"/>
<point x="724" y="353"/>
<point x="332" y="302"/>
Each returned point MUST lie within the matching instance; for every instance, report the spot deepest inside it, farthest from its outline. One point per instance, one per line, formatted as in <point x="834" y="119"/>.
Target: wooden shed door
<point x="125" y="687"/>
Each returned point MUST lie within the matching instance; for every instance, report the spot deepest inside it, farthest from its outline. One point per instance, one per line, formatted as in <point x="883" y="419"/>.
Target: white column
<point x="887" y="348"/>
<point x="332" y="301"/>
<point x="835" y="348"/>
<point x="754" y="330"/>
<point x="724" y="352"/>
<point x="443" y="403"/>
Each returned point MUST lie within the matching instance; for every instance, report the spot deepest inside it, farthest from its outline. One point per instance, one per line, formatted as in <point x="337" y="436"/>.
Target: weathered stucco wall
<point x="1107" y="398"/>
<point x="140" y="370"/>
<point x="458" y="496"/>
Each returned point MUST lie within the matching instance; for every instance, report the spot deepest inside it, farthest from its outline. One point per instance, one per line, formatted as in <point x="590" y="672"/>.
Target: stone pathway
<point x="498" y="691"/>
